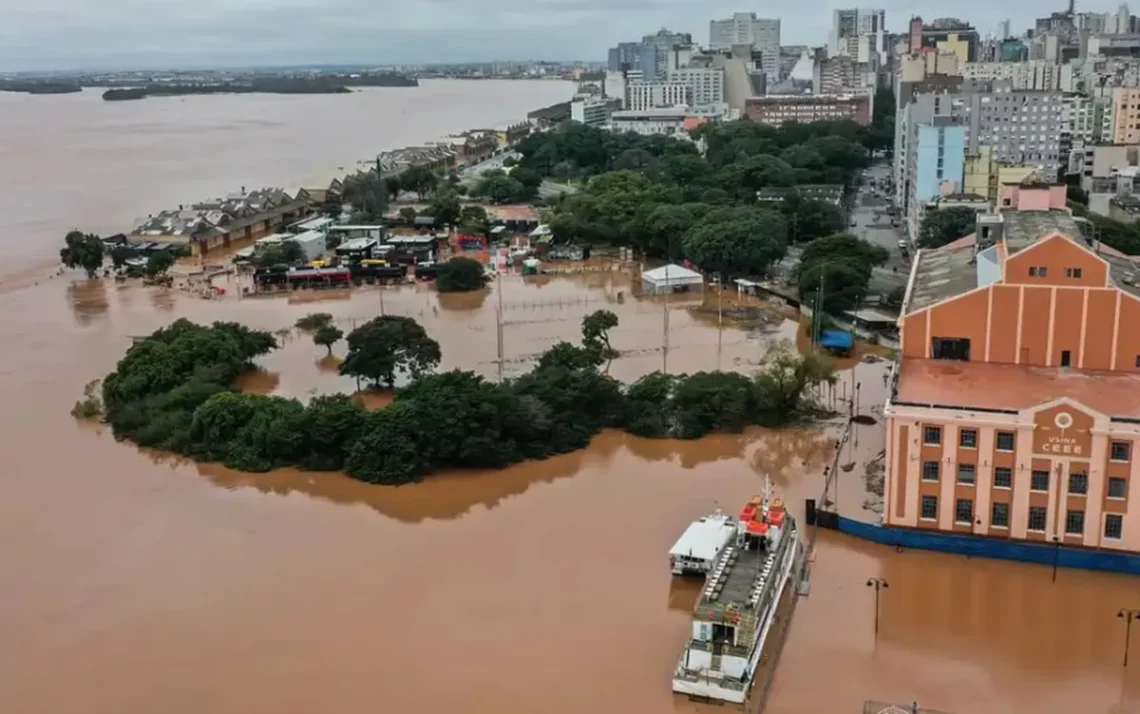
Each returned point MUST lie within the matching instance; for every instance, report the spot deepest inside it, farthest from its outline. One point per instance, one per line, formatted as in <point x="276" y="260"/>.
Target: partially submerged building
<point x="210" y="225"/>
<point x="1015" y="405"/>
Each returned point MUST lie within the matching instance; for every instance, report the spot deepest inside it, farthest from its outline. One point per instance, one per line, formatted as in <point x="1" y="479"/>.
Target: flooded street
<point x="135" y="583"/>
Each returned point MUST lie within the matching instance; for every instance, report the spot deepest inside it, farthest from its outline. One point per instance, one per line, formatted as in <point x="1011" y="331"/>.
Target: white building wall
<point x="654" y="95"/>
<point x="706" y="84"/>
<point x="744" y="28"/>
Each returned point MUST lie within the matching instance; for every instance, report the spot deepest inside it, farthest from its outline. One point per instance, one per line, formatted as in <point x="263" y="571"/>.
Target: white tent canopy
<point x="670" y="277"/>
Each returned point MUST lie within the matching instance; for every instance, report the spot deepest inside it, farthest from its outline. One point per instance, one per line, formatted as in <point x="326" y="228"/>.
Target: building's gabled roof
<point x="947" y="272"/>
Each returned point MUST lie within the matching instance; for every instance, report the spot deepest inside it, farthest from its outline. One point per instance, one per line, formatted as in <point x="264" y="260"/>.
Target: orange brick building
<point x="1015" y="405"/>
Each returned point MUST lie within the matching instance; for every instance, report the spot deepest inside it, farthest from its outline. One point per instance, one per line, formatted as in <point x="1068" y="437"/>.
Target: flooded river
<point x="136" y="583"/>
<point x="74" y="160"/>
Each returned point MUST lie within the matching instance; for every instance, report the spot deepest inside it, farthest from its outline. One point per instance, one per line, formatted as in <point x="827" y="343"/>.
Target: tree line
<point x="733" y="210"/>
<point x="175" y="390"/>
<point x="87" y="251"/>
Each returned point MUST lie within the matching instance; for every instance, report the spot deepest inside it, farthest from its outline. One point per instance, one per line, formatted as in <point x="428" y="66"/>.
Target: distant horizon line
<point x="312" y="65"/>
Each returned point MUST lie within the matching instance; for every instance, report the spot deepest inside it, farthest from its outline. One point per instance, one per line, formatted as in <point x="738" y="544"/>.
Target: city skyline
<point x="58" y="35"/>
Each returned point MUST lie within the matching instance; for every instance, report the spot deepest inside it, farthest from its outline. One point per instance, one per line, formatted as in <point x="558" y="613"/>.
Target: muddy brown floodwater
<point x="134" y="582"/>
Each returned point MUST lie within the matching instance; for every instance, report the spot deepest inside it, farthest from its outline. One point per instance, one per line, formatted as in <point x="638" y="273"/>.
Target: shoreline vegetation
<point x="39" y="87"/>
<point x="176" y="390"/>
<point x="327" y="84"/>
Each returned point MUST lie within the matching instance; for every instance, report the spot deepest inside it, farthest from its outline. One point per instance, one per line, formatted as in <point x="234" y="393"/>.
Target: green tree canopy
<point x="388" y="346"/>
<point x="120" y="254"/>
<point x="461" y="274"/>
<point x="842" y="264"/>
<point x="737" y="241"/>
<point x="82" y="250"/>
<point x="810" y="219"/>
<point x="327" y="335"/>
<point x="445" y="208"/>
<point x="946" y="225"/>
<point x="420" y="179"/>
<point x="158" y="263"/>
<point x="499" y="187"/>
<point x="313" y="321"/>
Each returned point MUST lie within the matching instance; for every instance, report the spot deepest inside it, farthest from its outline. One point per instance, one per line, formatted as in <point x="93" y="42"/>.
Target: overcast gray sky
<point x="100" y="34"/>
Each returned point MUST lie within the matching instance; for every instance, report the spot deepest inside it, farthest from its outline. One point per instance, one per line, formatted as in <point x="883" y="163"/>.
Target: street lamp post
<point x="879" y="584"/>
<point x="1128" y="616"/>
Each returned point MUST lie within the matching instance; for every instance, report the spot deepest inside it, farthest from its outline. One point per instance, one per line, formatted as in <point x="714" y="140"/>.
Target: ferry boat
<point x="738" y="604"/>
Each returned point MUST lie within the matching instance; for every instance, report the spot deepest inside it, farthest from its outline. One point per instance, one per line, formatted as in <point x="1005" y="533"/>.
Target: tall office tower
<point x="744" y="28"/>
<point x="848" y="26"/>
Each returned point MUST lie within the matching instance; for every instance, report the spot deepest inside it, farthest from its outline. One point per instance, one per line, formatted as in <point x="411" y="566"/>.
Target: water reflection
<point x="374" y="398"/>
<point x="259" y="381"/>
<point x="88" y="300"/>
<point x="780" y="454"/>
<point x="329" y="364"/>
<point x="691" y="454"/>
<point x="459" y="302"/>
<point x="442" y="496"/>
<point x="163" y="299"/>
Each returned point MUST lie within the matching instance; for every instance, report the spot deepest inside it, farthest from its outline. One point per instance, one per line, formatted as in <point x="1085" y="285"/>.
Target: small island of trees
<point x="175" y="390"/>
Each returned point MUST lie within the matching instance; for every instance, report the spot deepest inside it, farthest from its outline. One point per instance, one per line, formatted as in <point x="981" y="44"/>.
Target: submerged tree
<point x="783" y="381"/>
<point x="158" y="263"/>
<point x="327" y="335"/>
<point x="595" y="334"/>
<point x="388" y="345"/>
<point x="314" y="321"/>
<point x="461" y="275"/>
<point x="82" y="251"/>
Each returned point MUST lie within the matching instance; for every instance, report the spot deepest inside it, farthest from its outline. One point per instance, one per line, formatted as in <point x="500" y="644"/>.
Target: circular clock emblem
<point x="1064" y="420"/>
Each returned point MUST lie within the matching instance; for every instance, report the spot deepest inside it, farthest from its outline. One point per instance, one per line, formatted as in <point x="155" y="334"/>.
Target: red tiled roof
<point x="513" y="213"/>
<point x="980" y="385"/>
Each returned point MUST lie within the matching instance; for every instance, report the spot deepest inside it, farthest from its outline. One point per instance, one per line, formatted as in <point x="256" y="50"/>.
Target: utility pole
<point x="381" y="190"/>
<point x="719" y="322"/>
<point x="878" y="584"/>
<point x="1128" y="616"/>
<point x="499" y="323"/>
<point x="665" y="323"/>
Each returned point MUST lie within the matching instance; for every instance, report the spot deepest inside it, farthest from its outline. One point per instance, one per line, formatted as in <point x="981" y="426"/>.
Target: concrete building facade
<point x="937" y="167"/>
<point x="591" y="110"/>
<point x="653" y="95"/>
<point x="705" y="84"/>
<point x="1038" y="74"/>
<point x="744" y="28"/>
<point x="776" y="109"/>
<point x="1125" y="115"/>
<point x="849" y="25"/>
<point x="1015" y="406"/>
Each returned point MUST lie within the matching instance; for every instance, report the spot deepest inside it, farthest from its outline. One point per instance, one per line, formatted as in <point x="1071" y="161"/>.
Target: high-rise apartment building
<point x="656" y="50"/>
<point x="937" y="166"/>
<point x="625" y="56"/>
<point x="744" y="28"/>
<point x="848" y="26"/>
<point x="1036" y="74"/>
<point x="1125" y="115"/>
<point x="704" y="84"/>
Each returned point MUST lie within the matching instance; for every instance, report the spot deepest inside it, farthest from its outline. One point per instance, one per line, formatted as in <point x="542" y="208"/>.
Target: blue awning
<point x="836" y="340"/>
